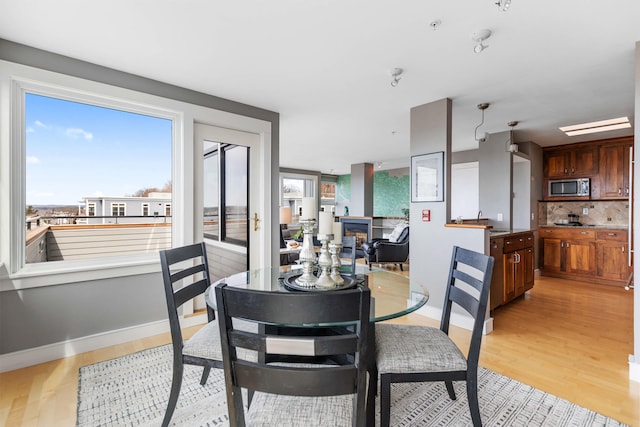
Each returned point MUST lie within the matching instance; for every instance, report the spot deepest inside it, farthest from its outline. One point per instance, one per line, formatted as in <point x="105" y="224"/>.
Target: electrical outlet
<point x="499" y="217"/>
<point x="585" y="211"/>
<point x="533" y="216"/>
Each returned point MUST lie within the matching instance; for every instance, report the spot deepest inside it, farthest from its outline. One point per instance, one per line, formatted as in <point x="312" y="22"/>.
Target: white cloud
<point x="32" y="160"/>
<point x="39" y="124"/>
<point x="77" y="132"/>
<point x="30" y="130"/>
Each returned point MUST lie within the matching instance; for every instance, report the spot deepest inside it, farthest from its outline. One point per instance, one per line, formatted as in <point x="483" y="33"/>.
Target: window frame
<point x="91" y="209"/>
<point x="144" y="209"/>
<point x="185" y="112"/>
<point x="119" y="212"/>
<point x="13" y="88"/>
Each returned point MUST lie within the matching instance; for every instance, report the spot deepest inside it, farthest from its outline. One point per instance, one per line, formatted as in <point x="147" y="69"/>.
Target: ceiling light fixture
<point x="435" y="24"/>
<point x="481" y="107"/>
<point x="478" y="37"/>
<point x="503" y="4"/>
<point x="599" y="126"/>
<point x="511" y="146"/>
<point x="395" y="74"/>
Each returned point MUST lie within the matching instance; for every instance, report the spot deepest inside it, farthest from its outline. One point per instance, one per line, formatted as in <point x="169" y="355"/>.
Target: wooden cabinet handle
<point x="583" y="232"/>
<point x="611" y="234"/>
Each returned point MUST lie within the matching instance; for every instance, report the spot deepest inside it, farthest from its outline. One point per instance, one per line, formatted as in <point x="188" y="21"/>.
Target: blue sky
<point x="76" y="150"/>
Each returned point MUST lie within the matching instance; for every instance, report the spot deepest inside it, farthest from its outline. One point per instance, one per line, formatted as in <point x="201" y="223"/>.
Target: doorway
<point x="230" y="212"/>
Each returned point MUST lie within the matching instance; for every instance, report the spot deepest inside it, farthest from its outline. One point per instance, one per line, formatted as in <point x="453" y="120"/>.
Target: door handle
<point x="256" y="220"/>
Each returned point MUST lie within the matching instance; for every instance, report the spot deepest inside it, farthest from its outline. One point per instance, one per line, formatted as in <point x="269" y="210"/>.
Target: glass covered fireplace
<point x="359" y="227"/>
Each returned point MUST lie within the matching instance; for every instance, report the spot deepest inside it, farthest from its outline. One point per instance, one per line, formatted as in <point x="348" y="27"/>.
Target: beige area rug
<point x="133" y="391"/>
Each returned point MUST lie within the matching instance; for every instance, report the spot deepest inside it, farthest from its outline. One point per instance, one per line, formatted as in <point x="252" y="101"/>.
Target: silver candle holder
<point x="307" y="255"/>
<point x="335" y="249"/>
<point x="325" y="262"/>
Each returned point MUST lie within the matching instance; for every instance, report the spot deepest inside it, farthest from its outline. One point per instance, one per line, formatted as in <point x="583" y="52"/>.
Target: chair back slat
<point x="190" y="291"/>
<point x="468" y="279"/>
<point x="296" y="381"/>
<point x="464" y="300"/>
<point x="289" y="308"/>
<point x="186" y="272"/>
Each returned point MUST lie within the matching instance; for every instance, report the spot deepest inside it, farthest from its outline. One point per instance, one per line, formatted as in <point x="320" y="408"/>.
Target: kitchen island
<point x="514" y="264"/>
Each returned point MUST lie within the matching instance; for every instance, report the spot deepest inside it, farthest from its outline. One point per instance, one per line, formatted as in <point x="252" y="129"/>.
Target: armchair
<point x="394" y="250"/>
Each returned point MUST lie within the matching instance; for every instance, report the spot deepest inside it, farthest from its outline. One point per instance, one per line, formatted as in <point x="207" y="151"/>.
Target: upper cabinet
<point x="613" y="177"/>
<point x="578" y="161"/>
<point x="605" y="162"/>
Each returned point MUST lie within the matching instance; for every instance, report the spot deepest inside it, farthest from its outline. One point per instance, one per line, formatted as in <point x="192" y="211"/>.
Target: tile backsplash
<point x="613" y="212"/>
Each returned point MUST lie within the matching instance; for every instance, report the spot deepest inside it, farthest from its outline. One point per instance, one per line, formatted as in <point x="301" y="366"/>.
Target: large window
<point x="80" y="150"/>
<point x="226" y="192"/>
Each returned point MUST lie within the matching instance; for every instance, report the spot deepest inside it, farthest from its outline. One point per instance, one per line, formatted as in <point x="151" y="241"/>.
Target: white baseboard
<point x="458" y="320"/>
<point x="634" y="368"/>
<point x="46" y="353"/>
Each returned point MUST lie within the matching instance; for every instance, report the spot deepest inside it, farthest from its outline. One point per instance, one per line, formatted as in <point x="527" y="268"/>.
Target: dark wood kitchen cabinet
<point x="594" y="255"/>
<point x="613" y="178"/>
<point x="567" y="250"/>
<point x="518" y="265"/>
<point x="571" y="161"/>
<point x="612" y="255"/>
<point x="513" y="268"/>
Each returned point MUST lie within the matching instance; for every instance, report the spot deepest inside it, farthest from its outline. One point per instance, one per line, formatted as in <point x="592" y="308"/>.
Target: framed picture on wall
<point x="427" y="179"/>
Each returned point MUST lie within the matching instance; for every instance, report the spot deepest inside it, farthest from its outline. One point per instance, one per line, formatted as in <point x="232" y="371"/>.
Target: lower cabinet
<point x="612" y="255"/>
<point x="513" y="269"/>
<point x="518" y="265"/>
<point x="599" y="256"/>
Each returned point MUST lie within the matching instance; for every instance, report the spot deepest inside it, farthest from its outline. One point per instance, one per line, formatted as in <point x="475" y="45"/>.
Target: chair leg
<point x="205" y="375"/>
<point x="452" y="392"/>
<point x="400" y="267"/>
<point x="176" y="383"/>
<point x="371" y="395"/>
<point x="474" y="408"/>
<point x="385" y="401"/>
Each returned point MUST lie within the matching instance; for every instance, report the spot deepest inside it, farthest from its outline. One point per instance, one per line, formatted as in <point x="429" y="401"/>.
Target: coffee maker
<point x="573" y="219"/>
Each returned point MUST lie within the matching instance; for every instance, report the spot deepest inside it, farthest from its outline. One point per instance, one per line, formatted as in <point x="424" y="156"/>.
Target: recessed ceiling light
<point x="599" y="126"/>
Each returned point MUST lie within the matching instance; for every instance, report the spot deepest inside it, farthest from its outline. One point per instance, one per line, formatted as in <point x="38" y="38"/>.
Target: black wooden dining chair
<point x="348" y="253"/>
<point x="297" y="385"/>
<point x="408" y="353"/>
<point x="185" y="273"/>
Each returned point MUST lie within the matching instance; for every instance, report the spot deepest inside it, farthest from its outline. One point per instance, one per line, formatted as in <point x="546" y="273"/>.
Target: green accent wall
<point x="343" y="189"/>
<point x="390" y="193"/>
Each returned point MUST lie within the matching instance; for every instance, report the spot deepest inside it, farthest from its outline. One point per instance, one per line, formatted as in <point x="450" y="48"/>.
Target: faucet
<point x="478" y="218"/>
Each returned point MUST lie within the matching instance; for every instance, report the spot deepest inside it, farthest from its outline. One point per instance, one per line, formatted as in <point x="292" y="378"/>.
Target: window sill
<point x="64" y="272"/>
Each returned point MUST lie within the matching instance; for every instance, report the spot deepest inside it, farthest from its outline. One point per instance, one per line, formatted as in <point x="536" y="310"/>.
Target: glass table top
<point x="393" y="295"/>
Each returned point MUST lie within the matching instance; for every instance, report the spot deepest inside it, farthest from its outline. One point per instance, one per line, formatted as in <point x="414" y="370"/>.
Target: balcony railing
<point x="57" y="238"/>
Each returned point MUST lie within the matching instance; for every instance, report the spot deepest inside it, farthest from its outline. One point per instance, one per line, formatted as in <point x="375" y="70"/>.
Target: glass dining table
<point x="392" y="295"/>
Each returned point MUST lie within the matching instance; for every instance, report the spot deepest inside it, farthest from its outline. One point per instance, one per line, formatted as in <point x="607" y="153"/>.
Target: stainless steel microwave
<point x="569" y="187"/>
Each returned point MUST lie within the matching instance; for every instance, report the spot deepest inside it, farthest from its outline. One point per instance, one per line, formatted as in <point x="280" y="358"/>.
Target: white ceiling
<point x="325" y="65"/>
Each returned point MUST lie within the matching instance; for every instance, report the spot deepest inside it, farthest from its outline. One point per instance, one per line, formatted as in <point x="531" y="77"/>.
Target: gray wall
<point x="430" y="253"/>
<point x="361" y="203"/>
<point x="495" y="180"/>
<point x="40" y="316"/>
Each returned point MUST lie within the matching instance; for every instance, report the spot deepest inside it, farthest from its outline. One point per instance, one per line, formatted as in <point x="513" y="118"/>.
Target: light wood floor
<point x="568" y="338"/>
